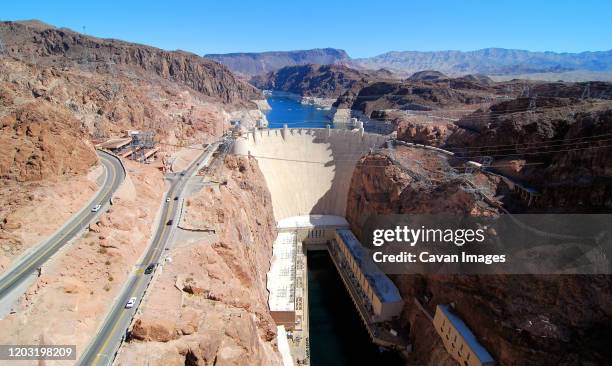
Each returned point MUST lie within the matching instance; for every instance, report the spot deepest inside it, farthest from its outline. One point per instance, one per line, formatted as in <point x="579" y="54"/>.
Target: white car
<point x="96" y="208"/>
<point x="130" y="303"/>
<point x="168" y="199"/>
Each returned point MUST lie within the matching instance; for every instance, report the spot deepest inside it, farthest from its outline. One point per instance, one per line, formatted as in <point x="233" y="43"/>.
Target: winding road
<point x="31" y="261"/>
<point x="106" y="341"/>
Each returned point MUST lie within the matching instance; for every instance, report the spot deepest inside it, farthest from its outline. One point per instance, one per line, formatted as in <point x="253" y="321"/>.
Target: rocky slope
<point x="250" y="64"/>
<point x="418" y="94"/>
<point x="46" y="45"/>
<point x="321" y="81"/>
<point x="521" y="320"/>
<point x="60" y="88"/>
<point x="209" y="305"/>
<point x="559" y="146"/>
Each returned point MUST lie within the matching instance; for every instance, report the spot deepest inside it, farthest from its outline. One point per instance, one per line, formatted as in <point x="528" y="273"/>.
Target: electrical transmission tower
<point x="586" y="93"/>
<point x="526" y="93"/>
<point x="532" y="104"/>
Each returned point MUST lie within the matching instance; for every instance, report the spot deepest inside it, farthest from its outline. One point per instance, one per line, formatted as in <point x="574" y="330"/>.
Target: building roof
<point x="115" y="143"/>
<point x="381" y="284"/>
<point x="483" y="355"/>
<point x="310" y="221"/>
<point x="281" y="277"/>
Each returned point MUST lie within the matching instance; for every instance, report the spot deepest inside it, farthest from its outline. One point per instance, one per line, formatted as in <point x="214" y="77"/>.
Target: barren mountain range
<point x="490" y="61"/>
<point x="249" y="64"/>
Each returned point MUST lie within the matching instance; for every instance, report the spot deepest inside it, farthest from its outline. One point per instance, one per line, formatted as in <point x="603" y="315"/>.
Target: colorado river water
<point x="337" y="335"/>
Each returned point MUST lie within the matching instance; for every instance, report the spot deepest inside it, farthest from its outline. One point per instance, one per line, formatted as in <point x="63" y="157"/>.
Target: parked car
<point x="131" y="302"/>
<point x="96" y="208"/>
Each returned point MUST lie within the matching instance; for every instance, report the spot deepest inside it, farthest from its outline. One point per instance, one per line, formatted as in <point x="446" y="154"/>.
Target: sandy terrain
<point x="30" y="212"/>
<point x="67" y="303"/>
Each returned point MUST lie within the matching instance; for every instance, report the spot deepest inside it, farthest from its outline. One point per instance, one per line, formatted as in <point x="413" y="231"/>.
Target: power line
<point x="553" y="140"/>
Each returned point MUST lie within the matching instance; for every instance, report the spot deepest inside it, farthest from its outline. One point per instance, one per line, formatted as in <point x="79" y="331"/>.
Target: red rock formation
<point x="45" y="45"/>
<point x="563" y="143"/>
<point x="210" y="304"/>
<point x="521" y="320"/>
<point x="40" y="141"/>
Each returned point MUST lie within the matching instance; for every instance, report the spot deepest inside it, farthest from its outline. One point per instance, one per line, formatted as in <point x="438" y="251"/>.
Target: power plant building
<point x="380" y="294"/>
<point x="459" y="340"/>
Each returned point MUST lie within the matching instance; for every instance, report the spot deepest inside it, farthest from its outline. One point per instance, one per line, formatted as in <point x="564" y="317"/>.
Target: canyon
<point x="62" y="93"/>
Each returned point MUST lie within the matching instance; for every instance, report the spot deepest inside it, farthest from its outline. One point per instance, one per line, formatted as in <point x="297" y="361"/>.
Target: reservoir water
<point x="337" y="335"/>
<point x="294" y="114"/>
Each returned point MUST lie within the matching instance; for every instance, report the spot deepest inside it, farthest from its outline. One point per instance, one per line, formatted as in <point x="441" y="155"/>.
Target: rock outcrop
<point x="562" y="145"/>
<point x="519" y="319"/>
<point x="45" y="45"/>
<point x="321" y="81"/>
<point x="40" y="141"/>
<point x="412" y="95"/>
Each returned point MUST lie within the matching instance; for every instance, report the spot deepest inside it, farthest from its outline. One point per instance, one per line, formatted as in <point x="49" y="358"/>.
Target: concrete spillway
<point x="308" y="171"/>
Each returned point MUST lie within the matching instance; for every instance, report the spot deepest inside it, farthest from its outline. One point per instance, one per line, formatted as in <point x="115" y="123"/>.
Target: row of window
<point x="448" y="338"/>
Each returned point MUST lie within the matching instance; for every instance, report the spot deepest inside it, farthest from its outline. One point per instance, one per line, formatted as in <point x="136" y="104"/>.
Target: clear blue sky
<point x="362" y="28"/>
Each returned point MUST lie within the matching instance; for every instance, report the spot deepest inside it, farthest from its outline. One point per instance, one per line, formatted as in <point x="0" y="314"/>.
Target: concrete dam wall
<point x="308" y="171"/>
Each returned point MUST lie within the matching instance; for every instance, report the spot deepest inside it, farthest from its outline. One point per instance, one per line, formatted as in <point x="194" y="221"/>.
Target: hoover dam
<point x="308" y="171"/>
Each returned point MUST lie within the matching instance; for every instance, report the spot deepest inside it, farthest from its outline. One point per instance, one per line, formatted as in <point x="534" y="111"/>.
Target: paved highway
<point x="35" y="258"/>
<point x="101" y="350"/>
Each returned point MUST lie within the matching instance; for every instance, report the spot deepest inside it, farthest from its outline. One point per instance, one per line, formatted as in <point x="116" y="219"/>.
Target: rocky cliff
<point x="46" y="45"/>
<point x="209" y="305"/>
<point x="415" y="95"/>
<point x="521" y="320"/>
<point x="321" y="81"/>
<point x="250" y="64"/>
<point x="558" y="146"/>
<point x="61" y="88"/>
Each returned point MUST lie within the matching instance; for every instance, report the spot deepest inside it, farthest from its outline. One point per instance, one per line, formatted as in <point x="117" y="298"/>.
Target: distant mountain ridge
<point x="488" y="61"/>
<point x="249" y="64"/>
<point x="491" y="61"/>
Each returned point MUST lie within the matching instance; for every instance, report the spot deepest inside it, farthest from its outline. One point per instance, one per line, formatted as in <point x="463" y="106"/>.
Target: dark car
<point x="169" y="222"/>
<point x="150" y="268"/>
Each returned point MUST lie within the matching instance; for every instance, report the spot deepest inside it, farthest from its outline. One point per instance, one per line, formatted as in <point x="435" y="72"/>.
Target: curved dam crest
<point x="308" y="171"/>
